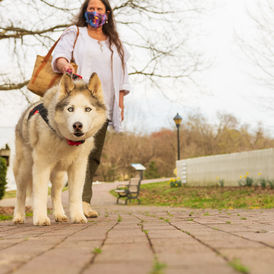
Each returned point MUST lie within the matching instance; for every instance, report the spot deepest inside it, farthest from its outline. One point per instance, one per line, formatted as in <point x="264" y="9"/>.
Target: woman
<point x="98" y="49"/>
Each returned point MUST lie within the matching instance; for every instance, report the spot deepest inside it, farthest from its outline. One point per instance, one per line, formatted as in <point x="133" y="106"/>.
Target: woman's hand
<point x="63" y="65"/>
<point x="121" y="103"/>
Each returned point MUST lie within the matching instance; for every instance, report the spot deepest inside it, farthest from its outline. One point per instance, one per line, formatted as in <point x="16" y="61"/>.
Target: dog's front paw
<point x="60" y="218"/>
<point x="79" y="219"/>
<point x="42" y="221"/>
<point x="18" y="220"/>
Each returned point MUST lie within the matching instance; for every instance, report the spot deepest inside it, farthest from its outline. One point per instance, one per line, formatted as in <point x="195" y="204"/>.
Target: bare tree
<point x="259" y="45"/>
<point x="156" y="32"/>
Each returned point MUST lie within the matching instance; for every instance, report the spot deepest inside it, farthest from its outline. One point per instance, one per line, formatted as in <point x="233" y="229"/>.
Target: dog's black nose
<point x="77" y="126"/>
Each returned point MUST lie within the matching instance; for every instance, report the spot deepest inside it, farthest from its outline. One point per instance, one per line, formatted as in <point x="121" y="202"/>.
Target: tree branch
<point x="152" y="74"/>
<point x="55" y="7"/>
<point x="13" y="86"/>
<point x="19" y="33"/>
<point x="132" y="4"/>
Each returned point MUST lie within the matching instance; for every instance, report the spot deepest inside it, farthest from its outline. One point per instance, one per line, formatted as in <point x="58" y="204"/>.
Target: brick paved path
<point x="138" y="239"/>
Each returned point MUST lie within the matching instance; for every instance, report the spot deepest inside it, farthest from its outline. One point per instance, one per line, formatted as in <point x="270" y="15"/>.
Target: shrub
<point x="151" y="171"/>
<point x="221" y="183"/>
<point x="247" y="181"/>
<point x="263" y="182"/>
<point x="3" y="173"/>
<point x="175" y="182"/>
<point x="271" y="184"/>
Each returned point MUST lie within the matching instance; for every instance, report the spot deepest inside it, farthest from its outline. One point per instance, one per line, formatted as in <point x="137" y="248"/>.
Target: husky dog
<point x="53" y="138"/>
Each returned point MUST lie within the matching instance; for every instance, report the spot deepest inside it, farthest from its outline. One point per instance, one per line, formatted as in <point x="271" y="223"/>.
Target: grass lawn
<point x="161" y="194"/>
<point x="9" y="194"/>
<point x="12" y="193"/>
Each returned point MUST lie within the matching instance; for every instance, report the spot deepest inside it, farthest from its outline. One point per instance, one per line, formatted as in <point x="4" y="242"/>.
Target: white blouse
<point x="91" y="56"/>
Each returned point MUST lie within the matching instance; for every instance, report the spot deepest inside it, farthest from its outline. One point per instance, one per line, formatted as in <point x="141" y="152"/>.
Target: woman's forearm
<point x="63" y="65"/>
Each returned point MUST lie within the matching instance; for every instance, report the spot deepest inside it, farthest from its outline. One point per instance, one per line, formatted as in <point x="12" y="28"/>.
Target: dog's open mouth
<point x="78" y="134"/>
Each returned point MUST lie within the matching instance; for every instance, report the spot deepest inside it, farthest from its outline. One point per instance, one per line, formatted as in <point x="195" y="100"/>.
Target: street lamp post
<point x="178" y="119"/>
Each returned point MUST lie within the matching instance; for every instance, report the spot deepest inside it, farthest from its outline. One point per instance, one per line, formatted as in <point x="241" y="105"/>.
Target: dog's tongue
<point x="75" y="143"/>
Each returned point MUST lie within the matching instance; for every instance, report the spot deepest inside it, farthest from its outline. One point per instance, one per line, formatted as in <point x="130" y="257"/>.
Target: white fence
<point x="228" y="167"/>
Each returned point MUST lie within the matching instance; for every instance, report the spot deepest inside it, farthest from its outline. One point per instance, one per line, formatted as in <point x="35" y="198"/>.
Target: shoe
<point x="88" y="211"/>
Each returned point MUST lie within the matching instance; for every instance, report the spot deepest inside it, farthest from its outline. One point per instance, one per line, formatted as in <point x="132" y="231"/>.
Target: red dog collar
<point x="75" y="143"/>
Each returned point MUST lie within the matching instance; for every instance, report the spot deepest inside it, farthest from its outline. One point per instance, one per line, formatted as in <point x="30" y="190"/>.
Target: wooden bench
<point x="129" y="191"/>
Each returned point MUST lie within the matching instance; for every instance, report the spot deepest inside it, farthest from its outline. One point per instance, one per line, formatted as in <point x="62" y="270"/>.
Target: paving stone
<point x="179" y="253"/>
<point x="118" y="268"/>
<point x="263" y="236"/>
<point x="5" y="243"/>
<point x="201" y="269"/>
<point x="125" y="238"/>
<point x="132" y="237"/>
<point x="15" y="256"/>
<point x="136" y="252"/>
<point x="69" y="257"/>
<point x="258" y="260"/>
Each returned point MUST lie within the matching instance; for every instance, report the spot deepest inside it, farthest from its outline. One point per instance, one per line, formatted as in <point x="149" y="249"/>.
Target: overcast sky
<point x="226" y="86"/>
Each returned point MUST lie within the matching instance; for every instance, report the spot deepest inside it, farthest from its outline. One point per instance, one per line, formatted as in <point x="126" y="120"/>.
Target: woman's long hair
<point x="109" y="28"/>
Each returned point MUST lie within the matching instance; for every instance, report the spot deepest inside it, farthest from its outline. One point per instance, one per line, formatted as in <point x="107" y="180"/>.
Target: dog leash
<point x="74" y="76"/>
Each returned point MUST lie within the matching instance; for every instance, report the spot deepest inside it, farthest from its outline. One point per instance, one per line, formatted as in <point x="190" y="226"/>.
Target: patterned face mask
<point x="95" y="19"/>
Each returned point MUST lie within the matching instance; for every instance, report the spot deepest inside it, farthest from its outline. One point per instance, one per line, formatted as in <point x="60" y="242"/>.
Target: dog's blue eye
<point x="87" y="109"/>
<point x="70" y="109"/>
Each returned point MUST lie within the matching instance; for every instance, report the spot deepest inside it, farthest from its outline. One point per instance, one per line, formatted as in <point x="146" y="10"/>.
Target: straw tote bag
<point x="43" y="77"/>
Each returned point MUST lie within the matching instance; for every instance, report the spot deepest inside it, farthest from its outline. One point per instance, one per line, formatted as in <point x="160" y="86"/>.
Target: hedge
<point x="3" y="174"/>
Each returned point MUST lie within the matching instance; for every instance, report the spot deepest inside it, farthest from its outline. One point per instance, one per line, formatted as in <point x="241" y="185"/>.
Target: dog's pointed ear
<point x="95" y="87"/>
<point x="66" y="84"/>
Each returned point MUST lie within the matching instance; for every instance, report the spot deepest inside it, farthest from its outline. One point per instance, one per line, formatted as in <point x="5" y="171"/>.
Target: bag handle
<point x="47" y="57"/>
<point x="54" y="45"/>
<point x="72" y="56"/>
